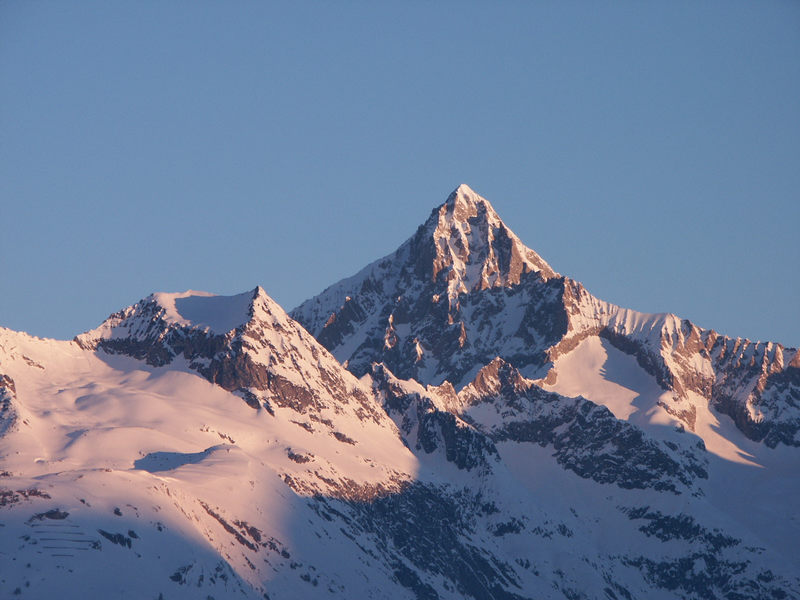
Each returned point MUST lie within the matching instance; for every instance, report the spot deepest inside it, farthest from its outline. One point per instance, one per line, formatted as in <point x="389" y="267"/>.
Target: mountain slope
<point x="111" y="465"/>
<point x="626" y="500"/>
<point x="465" y="290"/>
<point x="737" y="400"/>
<point x="158" y="443"/>
<point x="549" y="445"/>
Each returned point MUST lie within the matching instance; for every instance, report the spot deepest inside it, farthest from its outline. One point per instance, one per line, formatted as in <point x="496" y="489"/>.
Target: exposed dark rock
<point x="54" y="514"/>
<point x="428" y="428"/>
<point x="343" y="438"/>
<point x="705" y="575"/>
<point x="426" y="530"/>
<point x="8" y="392"/>
<point x="680" y="527"/>
<point x="228" y="527"/>
<point x="586" y="438"/>
<point x="10" y="497"/>
<point x="180" y="576"/>
<point x="116" y="538"/>
<point x="296" y="457"/>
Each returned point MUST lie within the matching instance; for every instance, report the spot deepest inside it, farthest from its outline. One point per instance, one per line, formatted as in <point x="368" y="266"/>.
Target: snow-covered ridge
<point x="757" y="384"/>
<point x="278" y="474"/>
<point x="190" y="309"/>
<point x="464" y="290"/>
<point x="268" y="359"/>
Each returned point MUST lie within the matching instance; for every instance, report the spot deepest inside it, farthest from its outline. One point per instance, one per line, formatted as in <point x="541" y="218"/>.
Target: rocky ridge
<point x="266" y="359"/>
<point x="216" y="444"/>
<point x="465" y="290"/>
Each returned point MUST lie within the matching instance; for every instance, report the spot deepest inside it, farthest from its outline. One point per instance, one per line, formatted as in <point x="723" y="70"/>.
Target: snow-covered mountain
<point x="463" y="423"/>
<point x="465" y="290"/>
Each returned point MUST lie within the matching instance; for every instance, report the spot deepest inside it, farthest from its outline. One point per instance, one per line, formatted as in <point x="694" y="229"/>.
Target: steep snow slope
<point x="756" y="384"/>
<point x="597" y="370"/>
<point x="113" y="467"/>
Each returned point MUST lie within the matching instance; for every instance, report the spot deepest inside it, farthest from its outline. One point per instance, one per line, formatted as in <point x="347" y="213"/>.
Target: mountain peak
<point x="498" y="378"/>
<point x="464" y="203"/>
<point x="462" y="247"/>
<point x="191" y="311"/>
<point x="464" y="189"/>
<point x="475" y="248"/>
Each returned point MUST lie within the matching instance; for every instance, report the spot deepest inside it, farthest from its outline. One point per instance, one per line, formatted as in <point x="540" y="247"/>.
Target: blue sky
<point x="650" y="150"/>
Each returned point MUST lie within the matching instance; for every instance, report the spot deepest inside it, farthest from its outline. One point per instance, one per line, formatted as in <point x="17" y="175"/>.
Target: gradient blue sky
<point x="650" y="150"/>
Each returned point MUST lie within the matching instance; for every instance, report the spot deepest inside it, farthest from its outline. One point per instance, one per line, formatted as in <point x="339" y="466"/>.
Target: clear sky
<point x="650" y="150"/>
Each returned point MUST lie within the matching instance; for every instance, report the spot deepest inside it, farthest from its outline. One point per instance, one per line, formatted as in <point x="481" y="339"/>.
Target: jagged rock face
<point x="8" y="391"/>
<point x="731" y="374"/>
<point x="464" y="290"/>
<point x="585" y="438"/>
<point x="427" y="427"/>
<point x="473" y="249"/>
<point x="757" y="389"/>
<point x="429" y="530"/>
<point x="500" y="405"/>
<point x="266" y="358"/>
<point x="427" y="310"/>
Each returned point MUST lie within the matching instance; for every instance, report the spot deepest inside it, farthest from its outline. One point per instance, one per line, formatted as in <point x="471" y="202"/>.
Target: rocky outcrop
<point x="428" y="533"/>
<point x="758" y="386"/>
<point x="428" y="428"/>
<point x="8" y="391"/>
<point x="501" y="405"/>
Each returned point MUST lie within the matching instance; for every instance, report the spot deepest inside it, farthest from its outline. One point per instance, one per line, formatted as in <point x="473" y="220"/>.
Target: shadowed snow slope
<point x="218" y="313"/>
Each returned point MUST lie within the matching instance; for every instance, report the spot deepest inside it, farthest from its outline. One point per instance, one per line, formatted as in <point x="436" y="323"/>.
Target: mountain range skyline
<point x="464" y="186"/>
<point x="457" y="419"/>
<point x="638" y="149"/>
<point x="399" y="301"/>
